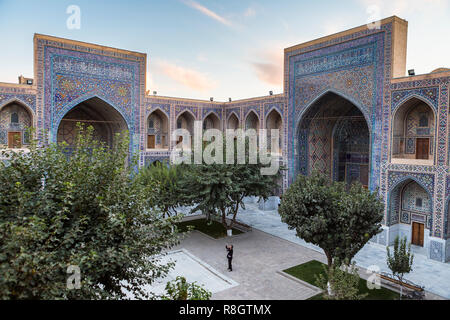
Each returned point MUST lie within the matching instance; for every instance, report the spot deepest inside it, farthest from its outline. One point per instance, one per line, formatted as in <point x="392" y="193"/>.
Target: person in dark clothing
<point x="229" y="256"/>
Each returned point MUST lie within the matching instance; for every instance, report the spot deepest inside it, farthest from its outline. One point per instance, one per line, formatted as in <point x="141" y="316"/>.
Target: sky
<point x="215" y="48"/>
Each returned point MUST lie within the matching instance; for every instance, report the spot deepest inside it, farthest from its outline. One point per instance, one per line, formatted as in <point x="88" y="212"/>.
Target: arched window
<point x="14" y="118"/>
<point x="423" y="120"/>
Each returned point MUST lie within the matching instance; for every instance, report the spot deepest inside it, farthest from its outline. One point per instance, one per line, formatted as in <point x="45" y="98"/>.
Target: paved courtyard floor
<point x="258" y="258"/>
<point x="433" y="275"/>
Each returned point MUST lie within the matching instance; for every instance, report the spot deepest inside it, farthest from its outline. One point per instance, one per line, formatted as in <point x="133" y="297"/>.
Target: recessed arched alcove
<point x="413" y="132"/>
<point x="334" y="138"/>
<point x="15" y="120"/>
<point x="233" y="122"/>
<point x="252" y="121"/>
<point x="95" y="112"/>
<point x="211" y="121"/>
<point x="157" y="130"/>
<point x="274" y="121"/>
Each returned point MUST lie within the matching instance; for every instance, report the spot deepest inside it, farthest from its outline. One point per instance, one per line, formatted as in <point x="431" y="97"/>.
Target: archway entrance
<point x="97" y="113"/>
<point x="15" y="119"/>
<point x="334" y="138"/>
<point x="410" y="212"/>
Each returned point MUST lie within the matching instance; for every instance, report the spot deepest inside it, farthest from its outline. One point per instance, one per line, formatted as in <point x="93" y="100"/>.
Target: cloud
<point x="207" y="12"/>
<point x="269" y="67"/>
<point x="268" y="73"/>
<point x="189" y="77"/>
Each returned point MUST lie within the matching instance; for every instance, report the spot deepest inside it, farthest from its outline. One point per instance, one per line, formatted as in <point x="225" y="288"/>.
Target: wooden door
<point x="14" y="139"/>
<point x="422" y="148"/>
<point x="151" y="142"/>
<point x="417" y="234"/>
<point x="364" y="175"/>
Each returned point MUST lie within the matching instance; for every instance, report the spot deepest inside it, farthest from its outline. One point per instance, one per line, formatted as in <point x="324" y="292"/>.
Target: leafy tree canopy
<point x="83" y="210"/>
<point x="338" y="218"/>
<point x="221" y="188"/>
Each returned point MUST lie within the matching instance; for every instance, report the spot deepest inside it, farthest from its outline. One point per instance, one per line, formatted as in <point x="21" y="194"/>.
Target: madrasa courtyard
<point x="348" y="109"/>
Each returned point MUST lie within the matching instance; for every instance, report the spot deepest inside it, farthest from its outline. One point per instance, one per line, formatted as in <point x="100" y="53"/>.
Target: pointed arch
<point x="185" y="120"/>
<point x="96" y="112"/>
<point x="408" y="139"/>
<point x="211" y="121"/>
<point x="186" y="111"/>
<point x="68" y="107"/>
<point x="254" y="122"/>
<point x="160" y="109"/>
<point x="402" y="208"/>
<point x="357" y="104"/>
<point x="317" y="146"/>
<point x="157" y="129"/>
<point x="16" y="117"/>
<point x="232" y="121"/>
<point x="235" y="114"/>
<point x="410" y="97"/>
<point x="20" y="102"/>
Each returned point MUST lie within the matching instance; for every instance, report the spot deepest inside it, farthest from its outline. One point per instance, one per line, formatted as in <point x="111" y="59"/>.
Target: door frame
<point x="148" y="141"/>
<point x="423" y="233"/>
<point x="13" y="133"/>
<point x="428" y="150"/>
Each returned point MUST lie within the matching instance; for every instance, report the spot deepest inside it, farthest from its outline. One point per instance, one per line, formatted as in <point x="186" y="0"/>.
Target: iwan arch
<point x="347" y="109"/>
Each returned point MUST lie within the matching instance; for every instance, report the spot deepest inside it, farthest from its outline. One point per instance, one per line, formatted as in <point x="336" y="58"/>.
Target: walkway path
<point x="257" y="259"/>
<point x="433" y="275"/>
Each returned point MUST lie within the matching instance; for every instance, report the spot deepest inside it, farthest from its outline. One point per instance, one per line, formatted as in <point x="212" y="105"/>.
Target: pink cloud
<point x="189" y="77"/>
<point x="269" y="68"/>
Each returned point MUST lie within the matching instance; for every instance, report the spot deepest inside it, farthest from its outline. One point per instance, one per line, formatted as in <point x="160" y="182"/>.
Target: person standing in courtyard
<point x="229" y="256"/>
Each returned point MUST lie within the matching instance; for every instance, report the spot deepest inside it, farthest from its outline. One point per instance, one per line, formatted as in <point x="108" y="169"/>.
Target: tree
<point x="180" y="289"/>
<point x="401" y="261"/>
<point x="220" y="188"/>
<point x="342" y="280"/>
<point x="166" y="193"/>
<point x="338" y="218"/>
<point x="80" y="210"/>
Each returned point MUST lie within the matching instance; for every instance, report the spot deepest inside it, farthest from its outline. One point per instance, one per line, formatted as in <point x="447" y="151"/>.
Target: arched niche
<point x="95" y="112"/>
<point x="157" y="130"/>
<point x="413" y="132"/>
<point x="15" y="121"/>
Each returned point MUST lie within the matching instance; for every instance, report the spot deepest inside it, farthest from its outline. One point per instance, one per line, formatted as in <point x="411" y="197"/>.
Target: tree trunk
<point x="224" y="223"/>
<point x="329" y="259"/>
<point x="401" y="287"/>
<point x="330" y="270"/>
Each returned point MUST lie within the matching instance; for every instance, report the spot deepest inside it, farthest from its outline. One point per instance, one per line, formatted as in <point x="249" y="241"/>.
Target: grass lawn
<point x="215" y="230"/>
<point x="306" y="272"/>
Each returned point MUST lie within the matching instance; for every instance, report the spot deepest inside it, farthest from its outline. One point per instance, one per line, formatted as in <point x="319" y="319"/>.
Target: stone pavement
<point x="433" y="275"/>
<point x="257" y="259"/>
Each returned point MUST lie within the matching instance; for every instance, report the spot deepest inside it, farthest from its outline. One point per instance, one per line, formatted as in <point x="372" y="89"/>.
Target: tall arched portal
<point x="104" y="118"/>
<point x="334" y="138"/>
